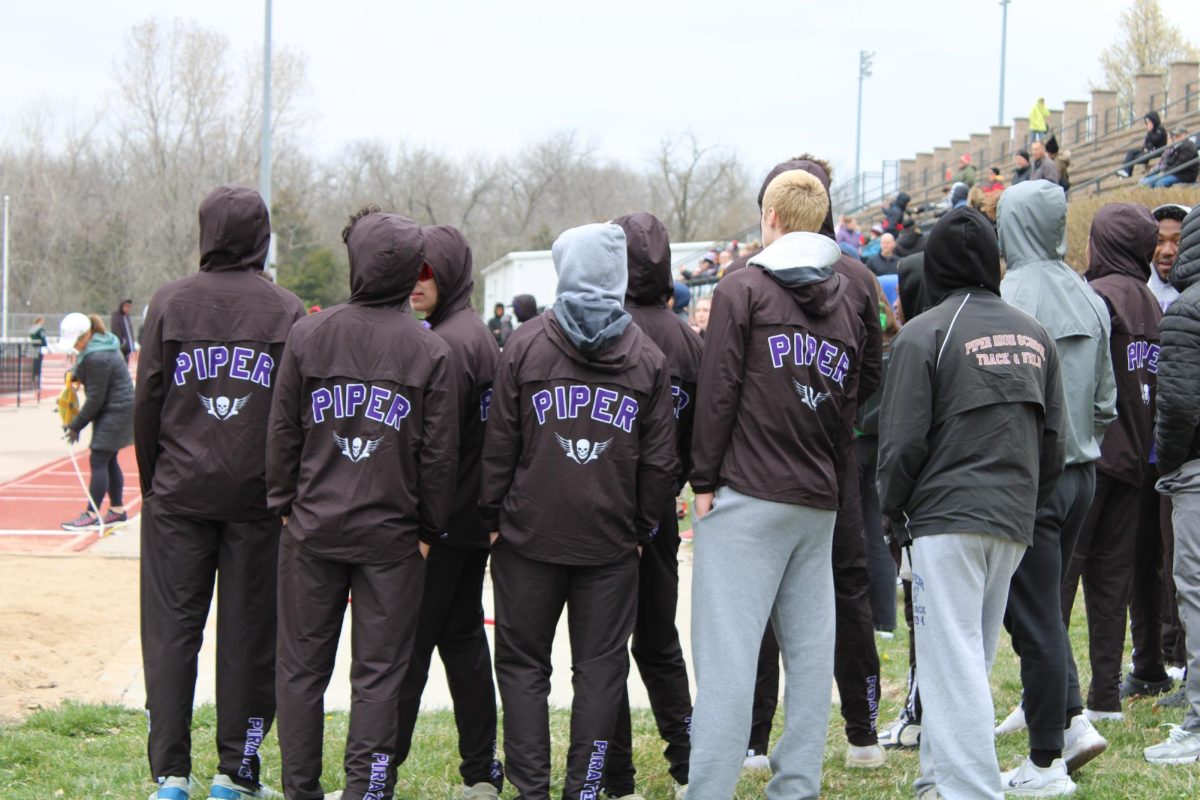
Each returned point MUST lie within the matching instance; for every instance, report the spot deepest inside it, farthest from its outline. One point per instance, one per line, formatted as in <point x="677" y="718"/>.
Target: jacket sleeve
<point x="905" y="422"/>
<point x="149" y="398"/>
<point x="719" y="389"/>
<point x="502" y="442"/>
<point x="285" y="433"/>
<point x="1053" y="454"/>
<point x="658" y="466"/>
<point x="1178" y="400"/>
<point x="96" y="386"/>
<point x="439" y="447"/>
<point x="870" y="374"/>
<point x="1104" y="405"/>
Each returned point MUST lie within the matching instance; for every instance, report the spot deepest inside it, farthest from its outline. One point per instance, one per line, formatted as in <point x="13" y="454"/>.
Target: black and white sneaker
<point x="1030" y="780"/>
<point x="87" y="521"/>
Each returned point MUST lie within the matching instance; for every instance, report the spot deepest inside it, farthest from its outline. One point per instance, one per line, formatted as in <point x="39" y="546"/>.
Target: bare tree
<point x="696" y="185"/>
<point x="1147" y="42"/>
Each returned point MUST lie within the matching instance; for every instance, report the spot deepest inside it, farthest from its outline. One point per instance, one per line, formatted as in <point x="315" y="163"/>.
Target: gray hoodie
<point x="590" y="305"/>
<point x="1032" y="224"/>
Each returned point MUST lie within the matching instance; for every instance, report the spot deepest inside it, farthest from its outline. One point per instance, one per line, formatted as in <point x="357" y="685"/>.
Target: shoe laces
<point x="1178" y="732"/>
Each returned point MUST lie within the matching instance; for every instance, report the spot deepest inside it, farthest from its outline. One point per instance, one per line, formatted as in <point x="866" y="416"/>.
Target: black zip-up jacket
<point x="1177" y="437"/>
<point x="970" y="422"/>
<point x="206" y="372"/>
<point x="650" y="284"/>
<point x="475" y="356"/>
<point x="779" y="378"/>
<point x="1121" y="245"/>
<point x="1178" y="154"/>
<point x="363" y="447"/>
<point x="579" y="458"/>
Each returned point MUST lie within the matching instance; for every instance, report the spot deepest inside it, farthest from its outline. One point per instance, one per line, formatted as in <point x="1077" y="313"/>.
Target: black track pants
<point x="1153" y="615"/>
<point x="1034" y="616"/>
<point x="659" y="658"/>
<point x="1104" y="555"/>
<point x="180" y="560"/>
<point x="601" y="606"/>
<point x="766" y="694"/>
<point x="881" y="569"/>
<point x="312" y="604"/>
<point x="452" y="621"/>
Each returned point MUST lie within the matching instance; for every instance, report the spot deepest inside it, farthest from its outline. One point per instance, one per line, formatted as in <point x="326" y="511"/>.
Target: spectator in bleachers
<point x="680" y="300"/>
<point x="1178" y="164"/>
<point x="1156" y="139"/>
<point x="700" y="315"/>
<point x="994" y="182"/>
<point x="959" y="193"/>
<point x="724" y="259"/>
<point x="966" y="171"/>
<point x="871" y="243"/>
<point x="847" y="232"/>
<point x="1039" y="120"/>
<point x="1041" y="167"/>
<point x="1021" y="173"/>
<point x="886" y="260"/>
<point x="893" y="215"/>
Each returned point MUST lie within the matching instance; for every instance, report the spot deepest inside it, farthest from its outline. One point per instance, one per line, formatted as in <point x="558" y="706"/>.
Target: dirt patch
<point x="68" y="630"/>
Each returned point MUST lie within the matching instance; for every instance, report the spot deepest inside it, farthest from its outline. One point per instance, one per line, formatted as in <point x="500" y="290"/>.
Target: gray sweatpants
<point x="754" y="560"/>
<point x="960" y="589"/>
<point x="1184" y="487"/>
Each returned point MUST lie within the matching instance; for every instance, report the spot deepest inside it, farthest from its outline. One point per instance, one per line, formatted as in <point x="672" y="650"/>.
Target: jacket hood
<point x="592" y="275"/>
<point x="909" y="242"/>
<point x="910" y="279"/>
<point x="1032" y="223"/>
<point x="524" y="307"/>
<point x="1122" y="241"/>
<point x="386" y="254"/>
<point x="648" y="250"/>
<point x="1155" y="120"/>
<point x="803" y="264"/>
<point x="1186" y="271"/>
<point x="235" y="230"/>
<point x="449" y="256"/>
<point x="902" y="201"/>
<point x="812" y="168"/>
<point x="962" y="253"/>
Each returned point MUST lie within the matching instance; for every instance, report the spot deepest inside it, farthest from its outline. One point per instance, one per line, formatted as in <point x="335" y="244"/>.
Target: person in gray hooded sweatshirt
<point x="579" y="462"/>
<point x="1032" y="225"/>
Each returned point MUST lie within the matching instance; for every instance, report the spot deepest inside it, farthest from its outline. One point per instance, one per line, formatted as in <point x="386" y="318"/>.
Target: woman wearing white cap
<point x="101" y="369"/>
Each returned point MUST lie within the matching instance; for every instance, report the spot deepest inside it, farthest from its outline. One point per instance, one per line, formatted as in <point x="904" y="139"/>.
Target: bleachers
<point x="1097" y="134"/>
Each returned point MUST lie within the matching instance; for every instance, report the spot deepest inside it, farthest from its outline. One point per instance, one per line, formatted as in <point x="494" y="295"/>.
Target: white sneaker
<point x="1081" y="743"/>
<point x="1030" y="780"/>
<point x="480" y="791"/>
<point x="631" y="797"/>
<point x="1181" y="747"/>
<point x="334" y="795"/>
<point x="225" y="789"/>
<point x="1104" y="716"/>
<point x="680" y="792"/>
<point x="1013" y="723"/>
<point x="173" y="789"/>
<point x="903" y="734"/>
<point x="869" y="757"/>
<point x="1177" y="674"/>
<point x="756" y="762"/>
<point x="930" y="794"/>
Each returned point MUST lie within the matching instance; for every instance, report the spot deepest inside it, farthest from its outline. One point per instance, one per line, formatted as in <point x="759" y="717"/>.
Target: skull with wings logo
<point x="811" y="398"/>
<point x="357" y="449"/>
<point x="222" y="407"/>
<point x="582" y="451"/>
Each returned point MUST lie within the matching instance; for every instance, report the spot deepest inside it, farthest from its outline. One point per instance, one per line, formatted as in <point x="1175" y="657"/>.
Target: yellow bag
<point x="68" y="402"/>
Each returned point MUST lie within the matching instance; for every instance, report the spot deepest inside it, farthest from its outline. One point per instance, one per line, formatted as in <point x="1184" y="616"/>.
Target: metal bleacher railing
<point x="1094" y="139"/>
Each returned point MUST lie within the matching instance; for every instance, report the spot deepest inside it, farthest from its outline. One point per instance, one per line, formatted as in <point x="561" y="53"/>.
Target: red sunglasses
<point x="426" y="273"/>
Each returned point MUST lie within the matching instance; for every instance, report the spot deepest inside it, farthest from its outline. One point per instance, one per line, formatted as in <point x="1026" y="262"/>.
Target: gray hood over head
<point x="592" y="275"/>
<point x="1032" y="225"/>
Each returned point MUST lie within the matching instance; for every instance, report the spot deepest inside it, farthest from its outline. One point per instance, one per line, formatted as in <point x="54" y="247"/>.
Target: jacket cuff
<point x="429" y="537"/>
<point x="703" y="487"/>
<point x="489" y="519"/>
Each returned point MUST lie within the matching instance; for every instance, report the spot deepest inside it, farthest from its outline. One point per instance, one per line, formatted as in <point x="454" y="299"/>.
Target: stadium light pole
<point x="4" y="322"/>
<point x="864" y="72"/>
<point x="1003" y="54"/>
<point x="264" y="159"/>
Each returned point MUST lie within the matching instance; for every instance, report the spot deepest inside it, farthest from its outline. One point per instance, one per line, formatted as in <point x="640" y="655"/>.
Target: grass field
<point x="81" y="752"/>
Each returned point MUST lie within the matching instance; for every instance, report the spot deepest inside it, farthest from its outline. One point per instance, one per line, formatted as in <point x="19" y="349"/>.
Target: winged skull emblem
<point x="222" y="407"/>
<point x="811" y="398"/>
<point x="582" y="451"/>
<point x="358" y="448"/>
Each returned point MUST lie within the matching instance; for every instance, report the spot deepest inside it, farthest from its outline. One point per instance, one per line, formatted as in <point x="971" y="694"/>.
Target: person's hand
<point x="284" y="520"/>
<point x="423" y="546"/>
<point x="70" y="434"/>
<point x="702" y="505"/>
<point x="640" y="549"/>
<point x="493" y="536"/>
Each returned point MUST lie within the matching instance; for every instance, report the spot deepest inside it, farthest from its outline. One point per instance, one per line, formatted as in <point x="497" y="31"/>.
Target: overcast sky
<point x="769" y="79"/>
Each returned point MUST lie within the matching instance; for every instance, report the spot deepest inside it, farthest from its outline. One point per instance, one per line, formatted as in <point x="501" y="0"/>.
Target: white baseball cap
<point x="72" y="327"/>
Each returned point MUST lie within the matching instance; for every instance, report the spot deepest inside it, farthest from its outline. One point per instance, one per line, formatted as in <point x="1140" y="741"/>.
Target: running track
<point x="33" y="505"/>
